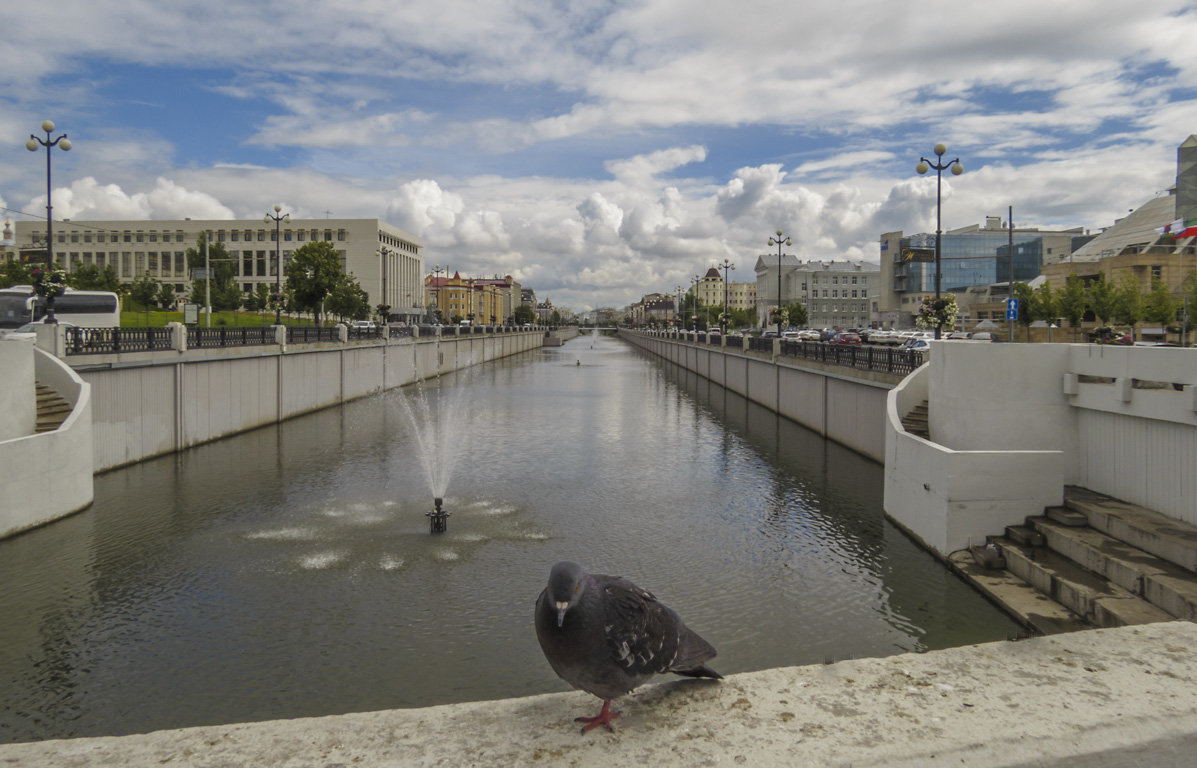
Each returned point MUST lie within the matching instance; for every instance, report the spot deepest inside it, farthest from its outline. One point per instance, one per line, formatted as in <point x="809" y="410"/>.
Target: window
<point x="178" y="237"/>
<point x="261" y="235"/>
<point x="140" y="237"/>
<point x="87" y="237"/>
<point x="854" y="290"/>
<point x="234" y="236"/>
<point x="220" y="235"/>
<point x="328" y="235"/>
<point x="153" y="237"/>
<point x="341" y="235"/>
<point x="300" y="235"/>
<point x="287" y="236"/>
<point x="74" y="237"/>
<point x="1157" y="272"/>
<point x="854" y="279"/>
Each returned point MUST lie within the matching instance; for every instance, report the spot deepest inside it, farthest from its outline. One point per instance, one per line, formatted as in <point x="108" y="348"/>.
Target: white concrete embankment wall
<point x="843" y="404"/>
<point x="151" y="404"/>
<point x="1101" y="699"/>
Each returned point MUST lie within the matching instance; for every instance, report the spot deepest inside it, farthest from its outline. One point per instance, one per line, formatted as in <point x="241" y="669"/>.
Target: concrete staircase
<point x="52" y="410"/>
<point x="1109" y="563"/>
<point x="915" y="422"/>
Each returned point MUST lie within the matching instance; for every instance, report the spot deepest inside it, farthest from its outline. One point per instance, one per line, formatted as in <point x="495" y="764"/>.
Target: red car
<point x="846" y="337"/>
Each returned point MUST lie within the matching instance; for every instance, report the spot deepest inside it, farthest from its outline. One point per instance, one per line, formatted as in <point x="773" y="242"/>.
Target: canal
<point x="289" y="571"/>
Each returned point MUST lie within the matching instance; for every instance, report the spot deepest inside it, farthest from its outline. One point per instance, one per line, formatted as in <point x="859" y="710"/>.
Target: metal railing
<point x="308" y="334"/>
<point x="360" y="334"/>
<point x="861" y="357"/>
<point x="759" y="344"/>
<point x="107" y="341"/>
<point x="237" y="336"/>
<point x="400" y="331"/>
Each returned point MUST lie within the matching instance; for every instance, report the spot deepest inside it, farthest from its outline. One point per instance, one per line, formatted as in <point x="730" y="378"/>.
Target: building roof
<point x="1137" y="227"/>
<point x="712" y="272"/>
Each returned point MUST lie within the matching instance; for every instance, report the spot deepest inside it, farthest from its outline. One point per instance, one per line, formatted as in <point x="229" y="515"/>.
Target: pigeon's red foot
<point x="602" y="718"/>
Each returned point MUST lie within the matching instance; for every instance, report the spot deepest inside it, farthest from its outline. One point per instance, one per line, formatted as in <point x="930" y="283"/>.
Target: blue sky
<point x="601" y="149"/>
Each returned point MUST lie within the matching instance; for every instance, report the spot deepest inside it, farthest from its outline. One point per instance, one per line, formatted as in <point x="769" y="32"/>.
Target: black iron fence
<point x="308" y="334"/>
<point x="758" y="344"/>
<point x="862" y="357"/>
<point x="400" y="331"/>
<point x="364" y="333"/>
<point x="106" y="341"/>
<point x="237" y="336"/>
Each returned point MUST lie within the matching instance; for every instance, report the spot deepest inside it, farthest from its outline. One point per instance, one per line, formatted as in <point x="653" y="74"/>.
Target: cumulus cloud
<point x="86" y="198"/>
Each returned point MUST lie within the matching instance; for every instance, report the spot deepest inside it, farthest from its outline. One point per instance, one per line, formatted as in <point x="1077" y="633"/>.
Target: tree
<point x="91" y="277"/>
<point x="258" y="299"/>
<point x="1158" y="305"/>
<point x="165" y="296"/>
<point x="523" y="314"/>
<point x="144" y="291"/>
<point x="15" y="273"/>
<point x="220" y="279"/>
<point x="1043" y="304"/>
<point x="348" y="301"/>
<point x="555" y="318"/>
<point x="312" y="274"/>
<point x="1102" y="299"/>
<point x="1071" y="300"/>
<point x="797" y="315"/>
<point x="1128" y="302"/>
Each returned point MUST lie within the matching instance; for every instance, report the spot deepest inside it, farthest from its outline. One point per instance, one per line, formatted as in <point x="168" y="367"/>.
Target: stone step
<point x="1029" y="607"/>
<point x="1173" y="540"/>
<point x="1158" y="581"/>
<point x="52" y="410"/>
<point x="1066" y="516"/>
<point x="1095" y="598"/>
<point x="1025" y="535"/>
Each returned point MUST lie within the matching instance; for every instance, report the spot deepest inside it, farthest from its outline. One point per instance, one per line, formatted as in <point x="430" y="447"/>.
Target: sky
<point x="598" y="150"/>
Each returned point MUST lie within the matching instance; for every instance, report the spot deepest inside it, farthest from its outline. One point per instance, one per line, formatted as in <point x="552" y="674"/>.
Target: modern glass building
<point x="966" y="260"/>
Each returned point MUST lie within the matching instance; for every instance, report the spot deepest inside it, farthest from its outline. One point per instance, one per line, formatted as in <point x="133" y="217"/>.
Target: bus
<point x="86" y="309"/>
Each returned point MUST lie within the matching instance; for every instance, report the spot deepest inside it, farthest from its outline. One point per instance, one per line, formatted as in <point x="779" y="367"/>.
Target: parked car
<point x="958" y="335"/>
<point x="363" y="324"/>
<point x="846" y="337"/>
<point x="792" y="335"/>
<point x="917" y="345"/>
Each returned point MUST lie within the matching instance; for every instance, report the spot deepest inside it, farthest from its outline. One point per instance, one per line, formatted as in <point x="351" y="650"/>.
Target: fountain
<point x="435" y="439"/>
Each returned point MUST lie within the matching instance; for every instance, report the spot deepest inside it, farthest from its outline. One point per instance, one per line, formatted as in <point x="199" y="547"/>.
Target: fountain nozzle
<point x="438" y="518"/>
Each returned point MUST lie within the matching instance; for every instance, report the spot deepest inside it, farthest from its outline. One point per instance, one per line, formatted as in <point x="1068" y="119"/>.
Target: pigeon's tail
<point x="702" y="671"/>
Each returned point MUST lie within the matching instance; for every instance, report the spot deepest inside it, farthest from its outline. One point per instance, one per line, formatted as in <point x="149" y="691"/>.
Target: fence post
<point x="280" y="335"/>
<point x="178" y="336"/>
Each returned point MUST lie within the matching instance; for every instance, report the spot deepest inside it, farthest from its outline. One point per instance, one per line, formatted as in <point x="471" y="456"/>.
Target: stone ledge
<point x="1097" y="698"/>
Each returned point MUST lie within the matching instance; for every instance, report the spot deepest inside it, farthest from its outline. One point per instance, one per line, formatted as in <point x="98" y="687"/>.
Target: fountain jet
<point x="438" y="518"/>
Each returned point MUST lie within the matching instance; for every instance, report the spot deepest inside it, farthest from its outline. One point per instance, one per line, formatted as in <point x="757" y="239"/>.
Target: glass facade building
<point x="966" y="260"/>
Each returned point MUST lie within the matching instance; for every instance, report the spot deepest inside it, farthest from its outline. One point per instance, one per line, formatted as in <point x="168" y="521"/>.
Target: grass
<point x="131" y="318"/>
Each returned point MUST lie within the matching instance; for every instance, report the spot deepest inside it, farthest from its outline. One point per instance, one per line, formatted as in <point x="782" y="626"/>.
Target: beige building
<point x="709" y="291"/>
<point x="836" y="294"/>
<point x="387" y="262"/>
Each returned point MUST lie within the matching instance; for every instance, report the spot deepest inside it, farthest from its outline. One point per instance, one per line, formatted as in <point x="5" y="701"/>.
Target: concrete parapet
<point x="1099" y="698"/>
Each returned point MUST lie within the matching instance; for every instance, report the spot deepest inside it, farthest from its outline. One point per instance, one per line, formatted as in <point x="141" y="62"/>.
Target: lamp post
<point x="726" y="266"/>
<point x="779" y="241"/>
<point x="939" y="166"/>
<point x="63" y="143"/>
<point x="677" y="314"/>
<point x="697" y="279"/>
<point x="277" y="218"/>
<point x="385" y="253"/>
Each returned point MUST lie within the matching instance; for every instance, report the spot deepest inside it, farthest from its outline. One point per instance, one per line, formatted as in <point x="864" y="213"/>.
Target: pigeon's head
<point x="567" y="581"/>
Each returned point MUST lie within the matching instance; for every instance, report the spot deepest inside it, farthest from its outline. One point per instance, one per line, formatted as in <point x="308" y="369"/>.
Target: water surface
<point x="288" y="571"/>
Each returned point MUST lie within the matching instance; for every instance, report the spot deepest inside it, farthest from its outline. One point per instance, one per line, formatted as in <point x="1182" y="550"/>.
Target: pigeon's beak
<point x="561" y="609"/>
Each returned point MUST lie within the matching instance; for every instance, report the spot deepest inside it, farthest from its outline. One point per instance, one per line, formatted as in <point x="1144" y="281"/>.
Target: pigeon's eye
<point x="576" y="588"/>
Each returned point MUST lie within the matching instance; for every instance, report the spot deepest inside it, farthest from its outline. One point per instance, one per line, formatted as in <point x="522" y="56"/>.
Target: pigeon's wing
<point x="641" y="634"/>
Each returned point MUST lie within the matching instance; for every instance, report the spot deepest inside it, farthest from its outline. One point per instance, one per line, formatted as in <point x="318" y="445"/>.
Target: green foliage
<point x="797" y="315"/>
<point x="383" y="313"/>
<point x="1071" y="300"/>
<point x="223" y="289"/>
<point x="312" y="274"/>
<point x="144" y="291"/>
<point x="1044" y="305"/>
<point x="258" y="300"/>
<point x="1102" y="299"/>
<point x="91" y="277"/>
<point x="166" y="296"/>
<point x="1128" y="301"/>
<point x="1158" y="305"/>
<point x="15" y="273"/>
<point x="348" y="301"/>
<point x="524" y="314"/>
<point x="1026" y="298"/>
<point x="555" y="318"/>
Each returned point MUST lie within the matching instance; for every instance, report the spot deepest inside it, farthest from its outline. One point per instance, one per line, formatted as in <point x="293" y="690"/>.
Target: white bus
<point x="86" y="309"/>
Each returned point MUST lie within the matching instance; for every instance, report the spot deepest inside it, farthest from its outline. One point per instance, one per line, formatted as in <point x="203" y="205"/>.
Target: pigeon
<point x="605" y="635"/>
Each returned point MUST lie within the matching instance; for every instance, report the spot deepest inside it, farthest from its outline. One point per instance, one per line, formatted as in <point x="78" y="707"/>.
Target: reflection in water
<point x="289" y="571"/>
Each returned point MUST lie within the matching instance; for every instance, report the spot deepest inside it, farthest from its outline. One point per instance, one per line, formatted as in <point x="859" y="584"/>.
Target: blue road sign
<point x="1011" y="309"/>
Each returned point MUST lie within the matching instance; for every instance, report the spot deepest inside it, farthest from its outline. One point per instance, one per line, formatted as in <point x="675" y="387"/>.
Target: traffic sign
<point x="1011" y="309"/>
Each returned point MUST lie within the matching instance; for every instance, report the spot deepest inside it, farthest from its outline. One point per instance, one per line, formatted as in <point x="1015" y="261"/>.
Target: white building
<point x="387" y="262"/>
<point x="836" y="294"/>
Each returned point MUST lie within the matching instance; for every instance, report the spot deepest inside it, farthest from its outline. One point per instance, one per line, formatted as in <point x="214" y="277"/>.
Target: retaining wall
<point x="841" y="404"/>
<point x="149" y="404"/>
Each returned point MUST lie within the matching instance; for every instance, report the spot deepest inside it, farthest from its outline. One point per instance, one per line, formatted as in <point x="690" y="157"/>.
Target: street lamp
<point x="677" y="316"/>
<point x="278" y="263"/>
<point x="697" y="279"/>
<point x="385" y="253"/>
<point x="779" y="241"/>
<point x="63" y="143"/>
<point x="436" y="291"/>
<point x="726" y="266"/>
<point x="939" y="166"/>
